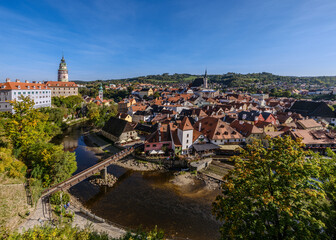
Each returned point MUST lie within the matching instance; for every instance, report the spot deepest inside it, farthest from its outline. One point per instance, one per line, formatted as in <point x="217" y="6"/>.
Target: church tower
<point x="101" y="92"/>
<point x="63" y="71"/>
<point x="205" y="79"/>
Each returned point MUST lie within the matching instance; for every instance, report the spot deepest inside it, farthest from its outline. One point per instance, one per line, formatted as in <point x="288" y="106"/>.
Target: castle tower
<point x="63" y="71"/>
<point x="205" y="79"/>
<point x="101" y="92"/>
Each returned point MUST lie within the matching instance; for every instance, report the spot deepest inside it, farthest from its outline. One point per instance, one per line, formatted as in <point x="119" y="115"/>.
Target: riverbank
<point x="184" y="179"/>
<point x="104" y="149"/>
<point x="41" y="216"/>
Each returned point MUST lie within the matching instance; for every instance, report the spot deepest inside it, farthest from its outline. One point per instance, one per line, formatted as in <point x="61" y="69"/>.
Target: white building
<point x="185" y="134"/>
<point x="9" y="91"/>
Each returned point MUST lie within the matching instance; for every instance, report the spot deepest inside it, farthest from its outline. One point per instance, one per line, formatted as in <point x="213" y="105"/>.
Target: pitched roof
<point x="117" y="126"/>
<point x="314" y="136"/>
<point x="185" y="124"/>
<point x="216" y="129"/>
<point x="22" y="86"/>
<point x="164" y="132"/>
<point x="311" y="108"/>
<point x="245" y="128"/>
<point x="308" y="123"/>
<point x="61" y="84"/>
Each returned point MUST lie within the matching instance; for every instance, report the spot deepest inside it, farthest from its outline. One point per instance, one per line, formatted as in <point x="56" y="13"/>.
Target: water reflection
<point x="145" y="199"/>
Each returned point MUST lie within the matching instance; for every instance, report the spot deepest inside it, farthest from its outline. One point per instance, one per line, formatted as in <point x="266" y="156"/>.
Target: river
<point x="144" y="199"/>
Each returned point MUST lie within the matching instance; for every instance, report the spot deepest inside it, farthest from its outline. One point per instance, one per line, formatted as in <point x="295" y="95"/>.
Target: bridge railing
<point x="64" y="184"/>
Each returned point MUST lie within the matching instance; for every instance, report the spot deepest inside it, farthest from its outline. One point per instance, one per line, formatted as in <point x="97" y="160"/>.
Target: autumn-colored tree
<point x="28" y="125"/>
<point x="272" y="193"/>
<point x="10" y="166"/>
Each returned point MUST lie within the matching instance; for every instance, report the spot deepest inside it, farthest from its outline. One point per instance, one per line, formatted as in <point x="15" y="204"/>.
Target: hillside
<point x="228" y="79"/>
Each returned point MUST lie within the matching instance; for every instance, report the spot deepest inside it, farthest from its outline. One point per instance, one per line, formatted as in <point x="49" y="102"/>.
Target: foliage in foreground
<point x="10" y="166"/>
<point x="67" y="232"/>
<point x="273" y="193"/>
<point x="49" y="162"/>
<point x="28" y="125"/>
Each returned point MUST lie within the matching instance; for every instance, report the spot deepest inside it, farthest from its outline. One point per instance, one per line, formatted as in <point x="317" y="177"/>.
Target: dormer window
<point x="19" y="87"/>
<point x="28" y="87"/>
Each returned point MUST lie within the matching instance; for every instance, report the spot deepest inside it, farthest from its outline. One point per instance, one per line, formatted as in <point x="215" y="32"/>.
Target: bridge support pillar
<point x="103" y="174"/>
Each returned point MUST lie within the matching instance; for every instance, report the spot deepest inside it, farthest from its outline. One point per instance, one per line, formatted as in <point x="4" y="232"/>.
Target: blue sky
<point x="104" y="39"/>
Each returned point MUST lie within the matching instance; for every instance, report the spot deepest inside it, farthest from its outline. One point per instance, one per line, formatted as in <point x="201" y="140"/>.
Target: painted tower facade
<point x="63" y="71"/>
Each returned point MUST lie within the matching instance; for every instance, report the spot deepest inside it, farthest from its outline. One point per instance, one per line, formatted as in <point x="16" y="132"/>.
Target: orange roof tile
<point x="22" y="86"/>
<point x="185" y="124"/>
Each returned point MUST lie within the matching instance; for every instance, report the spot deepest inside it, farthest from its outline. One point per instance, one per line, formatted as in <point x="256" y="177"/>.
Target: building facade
<point x="65" y="89"/>
<point x="10" y="91"/>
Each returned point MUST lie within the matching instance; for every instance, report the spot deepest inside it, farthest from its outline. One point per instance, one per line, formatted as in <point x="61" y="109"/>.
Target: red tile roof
<point x="185" y="124"/>
<point x="22" y="86"/>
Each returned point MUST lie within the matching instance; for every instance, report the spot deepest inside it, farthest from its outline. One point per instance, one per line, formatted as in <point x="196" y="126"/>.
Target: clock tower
<point x="63" y="71"/>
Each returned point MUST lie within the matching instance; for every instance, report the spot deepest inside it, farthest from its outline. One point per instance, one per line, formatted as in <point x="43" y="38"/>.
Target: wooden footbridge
<point x="101" y="166"/>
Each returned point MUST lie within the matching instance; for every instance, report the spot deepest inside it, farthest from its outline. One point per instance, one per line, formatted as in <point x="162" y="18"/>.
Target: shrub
<point x="56" y="198"/>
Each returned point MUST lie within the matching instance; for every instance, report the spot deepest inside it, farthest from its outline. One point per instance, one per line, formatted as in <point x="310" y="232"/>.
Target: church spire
<point x="205" y="79"/>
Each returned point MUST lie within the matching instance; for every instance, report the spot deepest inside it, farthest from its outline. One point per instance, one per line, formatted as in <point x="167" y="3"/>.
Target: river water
<point x="144" y="199"/>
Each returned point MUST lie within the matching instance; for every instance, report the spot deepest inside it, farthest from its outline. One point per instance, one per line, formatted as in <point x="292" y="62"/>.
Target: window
<point x="187" y="141"/>
<point x="154" y="145"/>
<point x="147" y="145"/>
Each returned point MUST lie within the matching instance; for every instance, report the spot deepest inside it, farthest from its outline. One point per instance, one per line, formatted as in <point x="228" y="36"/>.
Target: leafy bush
<point x="75" y="233"/>
<point x="56" y="198"/>
<point x="10" y="166"/>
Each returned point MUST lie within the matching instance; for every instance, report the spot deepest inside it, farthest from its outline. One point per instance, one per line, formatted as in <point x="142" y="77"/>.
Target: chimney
<point x="199" y="126"/>
<point x="17" y="80"/>
<point x="26" y="81"/>
<point x="34" y="81"/>
<point x="40" y="82"/>
<point x="8" y="80"/>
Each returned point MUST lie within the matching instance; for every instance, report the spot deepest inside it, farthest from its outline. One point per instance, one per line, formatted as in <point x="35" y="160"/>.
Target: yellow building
<point x="124" y="116"/>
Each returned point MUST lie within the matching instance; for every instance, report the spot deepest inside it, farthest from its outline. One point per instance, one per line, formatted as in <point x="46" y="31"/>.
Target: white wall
<point x="185" y="138"/>
<point x="41" y="97"/>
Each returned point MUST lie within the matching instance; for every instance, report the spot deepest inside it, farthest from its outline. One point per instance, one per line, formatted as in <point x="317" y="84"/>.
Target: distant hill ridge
<point x="228" y="79"/>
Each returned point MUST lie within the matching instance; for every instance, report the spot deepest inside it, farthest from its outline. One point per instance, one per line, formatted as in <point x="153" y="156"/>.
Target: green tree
<point x="328" y="177"/>
<point x="272" y="193"/>
<point x="28" y="125"/>
<point x="49" y="162"/>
